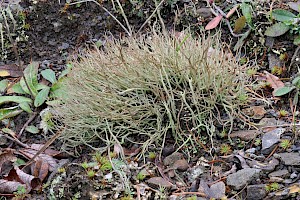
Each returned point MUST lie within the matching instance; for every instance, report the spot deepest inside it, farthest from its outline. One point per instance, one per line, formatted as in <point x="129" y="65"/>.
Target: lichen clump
<point x="142" y="89"/>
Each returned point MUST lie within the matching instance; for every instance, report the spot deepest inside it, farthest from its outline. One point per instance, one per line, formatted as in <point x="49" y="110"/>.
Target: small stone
<point x="204" y="12"/>
<point x="245" y="135"/>
<point x="159" y="182"/>
<point x="280" y="173"/>
<point x="193" y="173"/>
<point x="271" y="138"/>
<point x="217" y="190"/>
<point x="256" y="192"/>
<point x="276" y="179"/>
<point x="293" y="175"/>
<point x="290" y="158"/>
<point x="239" y="179"/>
<point x="171" y="159"/>
<point x="181" y="165"/>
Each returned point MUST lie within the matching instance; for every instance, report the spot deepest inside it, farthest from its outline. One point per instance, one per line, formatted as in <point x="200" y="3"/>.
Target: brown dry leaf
<point x="131" y="152"/>
<point x="40" y="169"/>
<point x="292" y="190"/>
<point x="7" y="156"/>
<point x="274" y="81"/>
<point x="232" y="11"/>
<point x="28" y="179"/>
<point x="29" y="153"/>
<point x="214" y="22"/>
<point x="48" y="151"/>
<point x="9" y="186"/>
<point x="10" y="70"/>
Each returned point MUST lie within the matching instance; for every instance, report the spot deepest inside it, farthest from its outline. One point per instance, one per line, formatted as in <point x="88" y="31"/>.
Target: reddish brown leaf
<point x="274" y="81"/>
<point x="28" y="179"/>
<point x="10" y="70"/>
<point x="49" y="151"/>
<point x="232" y="11"/>
<point x="7" y="156"/>
<point x="40" y="169"/>
<point x="214" y="22"/>
<point x="9" y="186"/>
<point x="29" y="153"/>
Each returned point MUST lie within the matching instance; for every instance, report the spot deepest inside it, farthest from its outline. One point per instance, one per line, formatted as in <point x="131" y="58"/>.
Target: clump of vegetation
<point x="146" y="88"/>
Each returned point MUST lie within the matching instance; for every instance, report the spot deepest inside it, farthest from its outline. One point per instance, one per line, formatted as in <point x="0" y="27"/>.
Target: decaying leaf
<point x="10" y="186"/>
<point x="10" y="70"/>
<point x="295" y="5"/>
<point x="275" y="82"/>
<point x="239" y="24"/>
<point x="214" y="22"/>
<point x="232" y="10"/>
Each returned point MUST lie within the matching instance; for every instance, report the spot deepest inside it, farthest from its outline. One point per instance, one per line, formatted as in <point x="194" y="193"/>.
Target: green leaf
<point x="282" y="91"/>
<point x="41" y="97"/>
<point x="19" y="162"/>
<point x="277" y="29"/>
<point x="26" y="107"/>
<point x="296" y="81"/>
<point x="16" y="99"/>
<point x="3" y="85"/>
<point x="41" y="86"/>
<point x="32" y="129"/>
<point x="49" y="75"/>
<point x="241" y="41"/>
<point x="56" y="90"/>
<point x="296" y="40"/>
<point x="9" y="131"/>
<point x="66" y="71"/>
<point x="16" y="88"/>
<point x="30" y="74"/>
<point x="282" y="15"/>
<point x="6" y="113"/>
<point x="247" y="12"/>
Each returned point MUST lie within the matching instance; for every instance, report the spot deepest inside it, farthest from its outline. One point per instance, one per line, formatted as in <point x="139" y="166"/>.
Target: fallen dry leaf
<point x="7" y="156"/>
<point x="275" y="82"/>
<point x="9" y="186"/>
<point x="214" y="22"/>
<point x="40" y="169"/>
<point x="10" y="70"/>
<point x="232" y="11"/>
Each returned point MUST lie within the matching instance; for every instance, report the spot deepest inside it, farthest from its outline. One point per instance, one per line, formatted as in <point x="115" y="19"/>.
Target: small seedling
<point x="283" y="56"/>
<point x="20" y="193"/>
<point x="283" y="113"/>
<point x="257" y="142"/>
<point x="277" y="70"/>
<point x="251" y="72"/>
<point x="272" y="187"/>
<point x="225" y="149"/>
<point x="85" y="165"/>
<point x="91" y="173"/>
<point x="140" y="176"/>
<point x="151" y="155"/>
<point x="285" y="144"/>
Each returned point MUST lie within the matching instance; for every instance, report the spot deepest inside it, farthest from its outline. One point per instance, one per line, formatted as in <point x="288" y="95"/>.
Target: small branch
<point x="123" y="27"/>
<point x="157" y="7"/>
<point x="26" y="124"/>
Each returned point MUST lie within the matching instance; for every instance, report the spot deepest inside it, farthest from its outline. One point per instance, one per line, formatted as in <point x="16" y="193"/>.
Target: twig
<point x="124" y="16"/>
<point x="26" y="124"/>
<point x="123" y="27"/>
<point x="162" y="1"/>
<point x="15" y="140"/>
<point x="46" y="145"/>
<point x="294" y="58"/>
<point x="187" y="193"/>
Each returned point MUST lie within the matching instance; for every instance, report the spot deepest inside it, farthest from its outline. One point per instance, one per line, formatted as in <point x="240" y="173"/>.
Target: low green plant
<point x="287" y="21"/>
<point x="91" y="173"/>
<point x="147" y="88"/>
<point x="272" y="187"/>
<point x="283" y="113"/>
<point x="289" y="88"/>
<point x="225" y="149"/>
<point x="257" y="142"/>
<point x="285" y="144"/>
<point x="20" y="193"/>
<point x="152" y="155"/>
<point x="140" y="176"/>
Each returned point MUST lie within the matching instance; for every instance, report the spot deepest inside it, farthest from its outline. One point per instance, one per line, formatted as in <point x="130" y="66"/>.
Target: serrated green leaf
<point x="49" y="75"/>
<point x="16" y="99"/>
<point x="16" y="88"/>
<point x="247" y="12"/>
<point x="41" y="97"/>
<point x="277" y="29"/>
<point x="6" y="113"/>
<point x="282" y="15"/>
<point x="282" y="91"/>
<point x="26" y="107"/>
<point x="32" y="129"/>
<point x="3" y="85"/>
<point x="30" y="74"/>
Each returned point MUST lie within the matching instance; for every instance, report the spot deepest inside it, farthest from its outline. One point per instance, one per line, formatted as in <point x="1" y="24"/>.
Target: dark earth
<point x="59" y="33"/>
